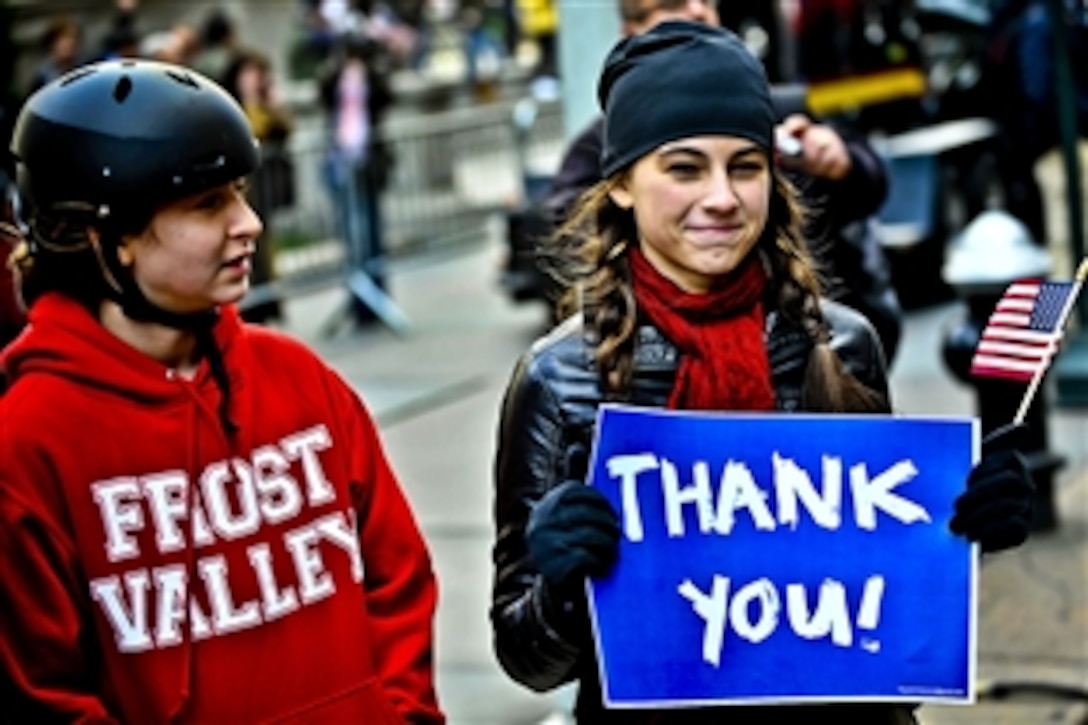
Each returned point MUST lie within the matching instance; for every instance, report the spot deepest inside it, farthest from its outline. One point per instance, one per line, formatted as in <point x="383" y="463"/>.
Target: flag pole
<point x="1037" y="378"/>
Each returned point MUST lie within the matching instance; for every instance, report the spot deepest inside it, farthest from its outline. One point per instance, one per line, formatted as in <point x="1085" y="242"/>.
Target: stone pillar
<point x="587" y="31"/>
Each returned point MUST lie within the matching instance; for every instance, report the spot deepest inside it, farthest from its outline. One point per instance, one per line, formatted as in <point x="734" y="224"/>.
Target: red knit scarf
<point x="723" y="360"/>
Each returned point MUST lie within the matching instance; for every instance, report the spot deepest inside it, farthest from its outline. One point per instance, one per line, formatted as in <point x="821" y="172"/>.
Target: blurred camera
<point x="789" y="147"/>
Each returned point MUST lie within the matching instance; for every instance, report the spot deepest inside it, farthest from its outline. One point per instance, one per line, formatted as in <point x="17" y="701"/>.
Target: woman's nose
<point x="247" y="222"/>
<point x="720" y="194"/>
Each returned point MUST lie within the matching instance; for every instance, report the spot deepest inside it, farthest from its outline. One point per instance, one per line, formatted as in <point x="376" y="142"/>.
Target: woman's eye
<point x="210" y="201"/>
<point x="683" y="169"/>
<point x="747" y="168"/>
<point x="223" y="195"/>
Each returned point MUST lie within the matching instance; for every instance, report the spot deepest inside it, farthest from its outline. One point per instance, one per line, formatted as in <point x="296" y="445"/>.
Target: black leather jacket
<point x="551" y="404"/>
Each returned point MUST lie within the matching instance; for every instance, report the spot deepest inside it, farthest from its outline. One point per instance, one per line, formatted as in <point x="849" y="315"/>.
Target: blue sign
<point x="784" y="558"/>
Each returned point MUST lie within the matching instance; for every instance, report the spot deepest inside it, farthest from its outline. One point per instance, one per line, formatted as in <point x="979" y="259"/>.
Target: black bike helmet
<point x="122" y="137"/>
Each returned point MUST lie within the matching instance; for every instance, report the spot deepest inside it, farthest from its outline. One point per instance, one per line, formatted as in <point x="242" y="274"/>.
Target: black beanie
<point x="677" y="80"/>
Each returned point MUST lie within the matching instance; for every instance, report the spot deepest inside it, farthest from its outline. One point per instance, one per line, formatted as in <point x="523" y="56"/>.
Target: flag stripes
<point x="1022" y="335"/>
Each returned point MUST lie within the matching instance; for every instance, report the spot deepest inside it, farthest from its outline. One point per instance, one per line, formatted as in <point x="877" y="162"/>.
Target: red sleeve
<point x="43" y="626"/>
<point x="399" y="580"/>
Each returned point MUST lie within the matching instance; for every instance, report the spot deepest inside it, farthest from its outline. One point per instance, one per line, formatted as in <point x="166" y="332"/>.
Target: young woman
<point x="690" y="289"/>
<point x="197" y="521"/>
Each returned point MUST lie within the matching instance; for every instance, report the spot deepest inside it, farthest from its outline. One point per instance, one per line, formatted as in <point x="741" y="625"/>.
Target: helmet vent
<point x="122" y="89"/>
<point x="76" y="75"/>
<point x="183" y="78"/>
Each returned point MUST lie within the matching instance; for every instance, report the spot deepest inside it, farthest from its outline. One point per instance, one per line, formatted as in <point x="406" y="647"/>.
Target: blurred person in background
<point x="60" y="41"/>
<point x="484" y="55"/>
<point x="250" y="80"/>
<point x="1022" y="77"/>
<point x="762" y="27"/>
<point x="843" y="183"/>
<point x="842" y="180"/>
<point x="355" y="95"/>
<point x="219" y="45"/>
<point x="413" y="15"/>
<point x="122" y="39"/>
<point x="178" y="45"/>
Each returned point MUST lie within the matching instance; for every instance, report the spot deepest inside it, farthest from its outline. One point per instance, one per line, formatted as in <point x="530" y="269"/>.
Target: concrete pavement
<point x="436" y="393"/>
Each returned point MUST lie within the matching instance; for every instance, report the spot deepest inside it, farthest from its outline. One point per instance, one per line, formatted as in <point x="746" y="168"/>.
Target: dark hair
<point x="71" y="271"/>
<point x="56" y="28"/>
<point x="242" y="59"/>
<point x="217" y="28"/>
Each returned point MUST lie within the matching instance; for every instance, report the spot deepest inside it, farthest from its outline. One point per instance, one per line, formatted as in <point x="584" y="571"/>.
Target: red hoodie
<point x="154" y="567"/>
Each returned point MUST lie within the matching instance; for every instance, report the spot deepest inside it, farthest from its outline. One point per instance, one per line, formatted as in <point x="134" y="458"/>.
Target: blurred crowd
<point x="351" y="48"/>
<point x="347" y="48"/>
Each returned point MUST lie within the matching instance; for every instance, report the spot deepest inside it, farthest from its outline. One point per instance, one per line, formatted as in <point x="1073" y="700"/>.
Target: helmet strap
<point x="134" y="303"/>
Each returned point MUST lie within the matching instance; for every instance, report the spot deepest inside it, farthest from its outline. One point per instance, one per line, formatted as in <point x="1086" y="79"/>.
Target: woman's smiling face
<point x="196" y="252"/>
<point x="700" y="205"/>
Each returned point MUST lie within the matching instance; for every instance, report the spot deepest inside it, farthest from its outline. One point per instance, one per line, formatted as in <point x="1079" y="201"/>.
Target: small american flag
<point x="1023" y="332"/>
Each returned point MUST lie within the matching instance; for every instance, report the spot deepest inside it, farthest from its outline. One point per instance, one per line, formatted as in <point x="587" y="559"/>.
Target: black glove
<point x="996" y="509"/>
<point x="573" y="532"/>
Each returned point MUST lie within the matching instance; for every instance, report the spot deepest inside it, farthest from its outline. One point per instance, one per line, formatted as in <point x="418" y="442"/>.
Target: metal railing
<point x="451" y="172"/>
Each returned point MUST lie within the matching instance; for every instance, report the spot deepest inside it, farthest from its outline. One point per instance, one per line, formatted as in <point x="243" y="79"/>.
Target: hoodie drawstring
<point x="206" y="344"/>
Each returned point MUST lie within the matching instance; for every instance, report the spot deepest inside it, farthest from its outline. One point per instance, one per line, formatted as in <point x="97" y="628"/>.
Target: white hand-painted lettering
<point x="830" y="615"/>
<point x="765" y="596"/>
<point x="627" y="469"/>
<point x="738" y="490"/>
<point x="793" y="482"/>
<point x="871" y="494"/>
<point x="753" y="612"/>
<point x="677" y="496"/>
<point x="713" y="609"/>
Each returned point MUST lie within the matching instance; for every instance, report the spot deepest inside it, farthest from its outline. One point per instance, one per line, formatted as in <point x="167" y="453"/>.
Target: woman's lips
<point x="241" y="263"/>
<point x="713" y="234"/>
